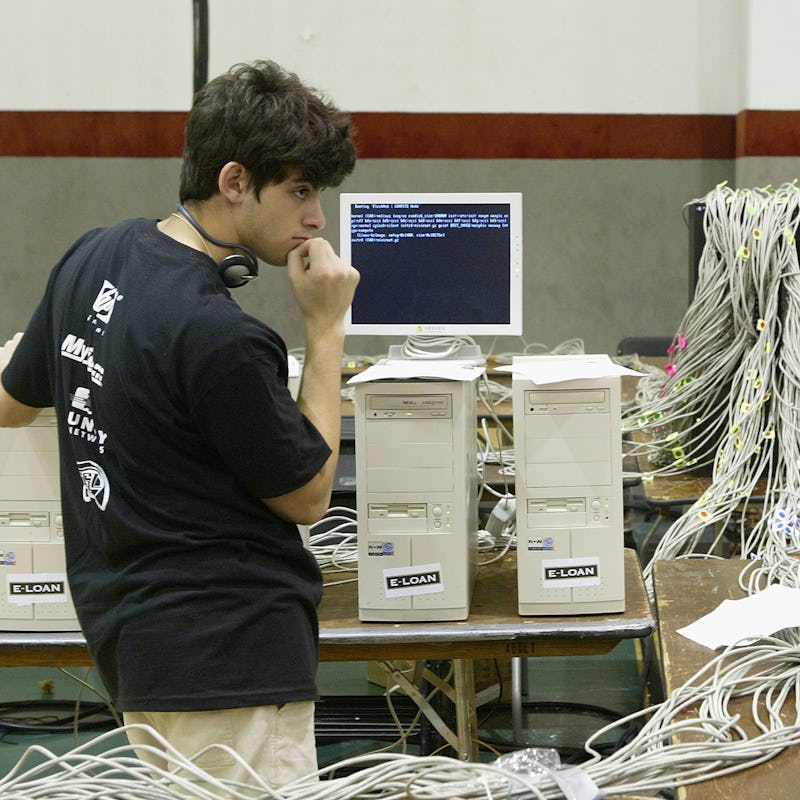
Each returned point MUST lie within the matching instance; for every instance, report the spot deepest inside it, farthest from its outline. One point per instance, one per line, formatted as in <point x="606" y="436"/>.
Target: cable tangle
<point x="727" y="403"/>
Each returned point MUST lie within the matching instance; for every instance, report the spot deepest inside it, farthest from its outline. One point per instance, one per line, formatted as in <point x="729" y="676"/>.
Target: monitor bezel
<point x="513" y="327"/>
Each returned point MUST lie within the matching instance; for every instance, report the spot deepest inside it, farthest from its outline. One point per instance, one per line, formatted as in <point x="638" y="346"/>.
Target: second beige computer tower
<point x="568" y="449"/>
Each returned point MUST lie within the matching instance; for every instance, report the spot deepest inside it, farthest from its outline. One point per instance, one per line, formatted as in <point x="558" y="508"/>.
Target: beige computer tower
<point x="570" y="519"/>
<point x="34" y="594"/>
<point x="417" y="499"/>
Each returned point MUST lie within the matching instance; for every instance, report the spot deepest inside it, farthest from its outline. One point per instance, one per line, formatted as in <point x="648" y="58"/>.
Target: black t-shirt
<point x="174" y="421"/>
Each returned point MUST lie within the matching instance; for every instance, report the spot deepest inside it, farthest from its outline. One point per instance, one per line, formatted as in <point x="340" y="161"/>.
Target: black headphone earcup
<point x="237" y="270"/>
<point x="234" y="270"/>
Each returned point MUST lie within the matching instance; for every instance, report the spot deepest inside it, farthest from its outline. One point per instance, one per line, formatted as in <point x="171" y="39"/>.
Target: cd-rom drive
<point x="416" y="496"/>
<point x="570" y="540"/>
<point x="34" y="594"/>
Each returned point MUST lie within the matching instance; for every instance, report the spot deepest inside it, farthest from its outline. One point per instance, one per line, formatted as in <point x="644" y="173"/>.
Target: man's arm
<point x="324" y="291"/>
<point x="13" y="414"/>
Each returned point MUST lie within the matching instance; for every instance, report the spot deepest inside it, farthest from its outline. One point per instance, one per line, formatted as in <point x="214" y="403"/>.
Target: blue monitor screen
<point x="434" y="264"/>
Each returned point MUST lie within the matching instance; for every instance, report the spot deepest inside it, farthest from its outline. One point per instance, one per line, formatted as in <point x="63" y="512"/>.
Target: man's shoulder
<point x="121" y="229"/>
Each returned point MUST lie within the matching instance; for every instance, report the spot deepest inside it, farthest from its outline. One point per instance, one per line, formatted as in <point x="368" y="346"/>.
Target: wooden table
<point x="685" y="590"/>
<point x="494" y="629"/>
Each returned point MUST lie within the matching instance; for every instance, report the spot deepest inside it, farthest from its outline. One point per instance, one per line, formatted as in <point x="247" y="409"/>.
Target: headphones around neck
<point x="235" y="270"/>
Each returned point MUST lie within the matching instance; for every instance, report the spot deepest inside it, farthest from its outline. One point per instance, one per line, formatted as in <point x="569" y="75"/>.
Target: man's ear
<point x="234" y="182"/>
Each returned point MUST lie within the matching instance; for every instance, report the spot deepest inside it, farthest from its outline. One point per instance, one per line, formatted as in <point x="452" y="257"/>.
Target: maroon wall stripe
<point x="395" y="135"/>
<point x="159" y="134"/>
<point x="768" y="133"/>
<point x="145" y="134"/>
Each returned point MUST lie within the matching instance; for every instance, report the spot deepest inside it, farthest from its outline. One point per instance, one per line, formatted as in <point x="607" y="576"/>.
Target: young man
<point x="195" y="594"/>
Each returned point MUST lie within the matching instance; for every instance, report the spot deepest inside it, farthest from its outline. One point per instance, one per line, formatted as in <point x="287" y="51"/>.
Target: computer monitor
<point x="434" y="264"/>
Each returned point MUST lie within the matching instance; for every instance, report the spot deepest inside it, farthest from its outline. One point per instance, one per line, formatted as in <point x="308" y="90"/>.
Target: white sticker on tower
<point x="567" y="573"/>
<point x="38" y="587"/>
<point x="419" y="579"/>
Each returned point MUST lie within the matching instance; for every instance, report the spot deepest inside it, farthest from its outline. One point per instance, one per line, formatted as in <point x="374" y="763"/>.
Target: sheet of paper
<point x="775" y="608"/>
<point x="418" y="368"/>
<point x="555" y="369"/>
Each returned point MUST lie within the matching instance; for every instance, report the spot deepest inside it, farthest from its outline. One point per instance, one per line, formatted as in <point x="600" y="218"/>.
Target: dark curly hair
<point x="267" y="120"/>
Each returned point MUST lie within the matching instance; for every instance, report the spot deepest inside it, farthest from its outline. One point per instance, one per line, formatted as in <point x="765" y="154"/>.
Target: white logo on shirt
<point x="76" y="348"/>
<point x="104" y="303"/>
<point x="81" y="400"/>
<point x="95" y="484"/>
<point x="80" y="419"/>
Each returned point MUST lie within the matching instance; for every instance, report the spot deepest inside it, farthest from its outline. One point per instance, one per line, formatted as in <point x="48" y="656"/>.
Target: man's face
<point x="285" y="215"/>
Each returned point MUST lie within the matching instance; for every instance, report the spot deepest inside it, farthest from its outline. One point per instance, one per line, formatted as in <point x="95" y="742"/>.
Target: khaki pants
<point x="277" y="742"/>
